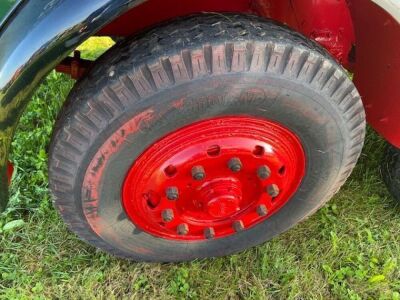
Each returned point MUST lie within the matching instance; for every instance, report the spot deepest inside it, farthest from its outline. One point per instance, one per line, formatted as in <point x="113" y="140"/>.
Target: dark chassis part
<point x="391" y="171"/>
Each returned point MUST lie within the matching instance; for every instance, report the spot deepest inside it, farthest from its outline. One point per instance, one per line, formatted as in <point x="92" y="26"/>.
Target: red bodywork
<point x="377" y="72"/>
<point x="327" y="22"/>
<point x="362" y="36"/>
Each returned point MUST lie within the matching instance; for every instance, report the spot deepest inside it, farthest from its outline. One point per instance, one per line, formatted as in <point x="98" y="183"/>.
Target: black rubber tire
<point x="391" y="171"/>
<point x="222" y="60"/>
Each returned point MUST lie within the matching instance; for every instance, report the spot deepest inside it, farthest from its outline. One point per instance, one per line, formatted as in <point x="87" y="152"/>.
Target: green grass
<point x="350" y="249"/>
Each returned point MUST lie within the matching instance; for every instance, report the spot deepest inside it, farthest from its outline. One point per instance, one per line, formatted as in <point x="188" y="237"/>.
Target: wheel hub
<point x="221" y="197"/>
<point x="213" y="178"/>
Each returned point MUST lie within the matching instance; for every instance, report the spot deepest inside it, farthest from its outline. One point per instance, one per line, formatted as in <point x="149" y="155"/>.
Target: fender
<point x="377" y="68"/>
<point x="34" y="39"/>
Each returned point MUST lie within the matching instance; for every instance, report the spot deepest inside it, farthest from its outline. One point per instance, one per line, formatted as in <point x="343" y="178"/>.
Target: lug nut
<point x="262" y="210"/>
<point x="182" y="229"/>
<point x="235" y="164"/>
<point x="238" y="226"/>
<point x="273" y="190"/>
<point x="172" y="193"/>
<point x="263" y="172"/>
<point x="167" y="215"/>
<point x="198" y="173"/>
<point x="209" y="233"/>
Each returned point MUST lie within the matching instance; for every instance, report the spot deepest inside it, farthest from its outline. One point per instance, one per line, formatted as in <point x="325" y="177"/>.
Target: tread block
<point x="239" y="58"/>
<point x="277" y="59"/>
<point x="160" y="76"/>
<point x="178" y="68"/>
<point x="258" y="62"/>
<point x="219" y="59"/>
<point x="142" y="86"/>
<point x="199" y="65"/>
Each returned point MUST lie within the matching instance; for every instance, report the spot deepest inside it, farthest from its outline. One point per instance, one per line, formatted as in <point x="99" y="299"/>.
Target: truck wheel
<point x="391" y="171"/>
<point x="203" y="137"/>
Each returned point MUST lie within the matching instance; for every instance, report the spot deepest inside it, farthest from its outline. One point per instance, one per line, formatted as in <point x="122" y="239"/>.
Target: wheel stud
<point x="167" y="215"/>
<point x="235" y="164"/>
<point x="209" y="233"/>
<point x="182" y="229"/>
<point x="273" y="190"/>
<point x="172" y="193"/>
<point x="263" y="172"/>
<point x="198" y="173"/>
<point x="238" y="226"/>
<point x="262" y="210"/>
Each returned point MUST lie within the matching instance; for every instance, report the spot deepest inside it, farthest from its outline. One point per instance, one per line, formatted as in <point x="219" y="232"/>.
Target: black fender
<point x="33" y="40"/>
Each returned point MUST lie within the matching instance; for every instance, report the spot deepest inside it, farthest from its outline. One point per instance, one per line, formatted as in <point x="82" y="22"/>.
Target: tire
<point x="391" y="171"/>
<point x="191" y="70"/>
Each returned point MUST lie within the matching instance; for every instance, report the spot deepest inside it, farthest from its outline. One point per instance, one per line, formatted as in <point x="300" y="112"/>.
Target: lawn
<point x="350" y="249"/>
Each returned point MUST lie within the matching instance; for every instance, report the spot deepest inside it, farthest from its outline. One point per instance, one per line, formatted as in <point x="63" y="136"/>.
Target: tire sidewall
<point x="301" y="109"/>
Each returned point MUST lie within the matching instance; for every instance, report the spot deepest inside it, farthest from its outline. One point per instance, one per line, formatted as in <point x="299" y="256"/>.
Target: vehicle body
<point x="36" y="36"/>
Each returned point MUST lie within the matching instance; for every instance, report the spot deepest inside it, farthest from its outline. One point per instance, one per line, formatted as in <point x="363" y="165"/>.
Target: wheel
<point x="391" y="171"/>
<point x="203" y="137"/>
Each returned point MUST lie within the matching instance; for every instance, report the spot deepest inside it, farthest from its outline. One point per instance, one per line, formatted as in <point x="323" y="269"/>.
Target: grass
<point x="350" y="249"/>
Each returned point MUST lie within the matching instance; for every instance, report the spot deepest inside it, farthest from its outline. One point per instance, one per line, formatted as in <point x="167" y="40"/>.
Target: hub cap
<point x="213" y="178"/>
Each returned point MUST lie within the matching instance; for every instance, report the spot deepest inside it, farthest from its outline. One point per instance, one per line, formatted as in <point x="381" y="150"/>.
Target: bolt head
<point x="198" y="173"/>
<point x="263" y="172"/>
<point x="209" y="233"/>
<point x="273" y="190"/>
<point x="238" y="226"/>
<point x="235" y="164"/>
<point x="262" y="210"/>
<point x="182" y="229"/>
<point x="172" y="193"/>
<point x="167" y="215"/>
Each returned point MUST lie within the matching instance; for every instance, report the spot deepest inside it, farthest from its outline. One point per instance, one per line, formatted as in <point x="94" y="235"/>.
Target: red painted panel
<point x="377" y="72"/>
<point x="326" y="21"/>
<point x="156" y="11"/>
<point x="329" y="23"/>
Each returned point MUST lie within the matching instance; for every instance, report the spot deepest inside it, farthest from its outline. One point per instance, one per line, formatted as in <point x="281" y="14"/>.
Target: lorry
<point x="210" y="126"/>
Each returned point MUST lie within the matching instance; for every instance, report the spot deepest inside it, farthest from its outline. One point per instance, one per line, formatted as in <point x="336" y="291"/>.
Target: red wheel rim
<point x="213" y="178"/>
